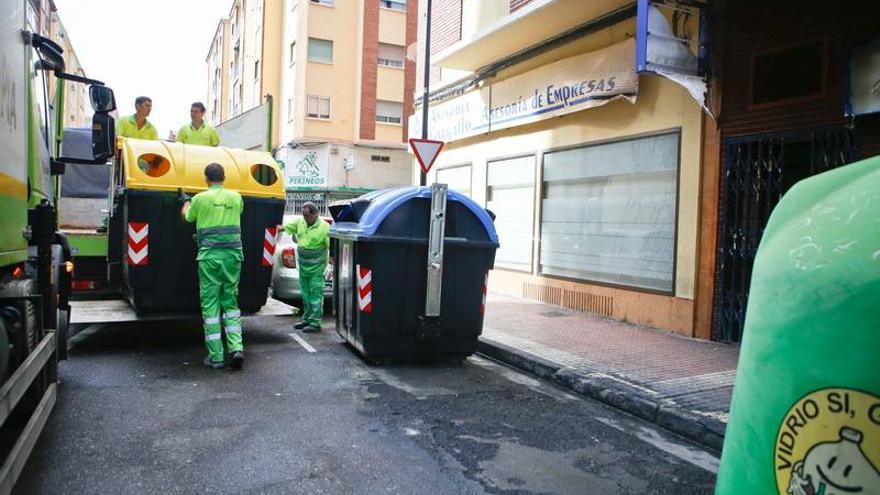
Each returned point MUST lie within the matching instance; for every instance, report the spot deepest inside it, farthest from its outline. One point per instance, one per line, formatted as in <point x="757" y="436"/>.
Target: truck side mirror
<point x="103" y="135"/>
<point x="102" y="99"/>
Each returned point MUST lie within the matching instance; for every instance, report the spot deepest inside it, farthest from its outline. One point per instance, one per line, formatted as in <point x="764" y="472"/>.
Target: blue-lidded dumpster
<point x="379" y="242"/>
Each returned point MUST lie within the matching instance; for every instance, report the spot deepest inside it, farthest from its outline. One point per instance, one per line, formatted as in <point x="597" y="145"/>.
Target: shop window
<point x="608" y="213"/>
<point x="788" y="74"/>
<point x="458" y="178"/>
<point x="264" y="174"/>
<point x="511" y="196"/>
<point x="320" y="51"/>
<point x="390" y="112"/>
<point x="153" y="165"/>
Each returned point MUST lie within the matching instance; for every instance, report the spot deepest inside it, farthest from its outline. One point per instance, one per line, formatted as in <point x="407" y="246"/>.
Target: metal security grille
<point x="295" y="201"/>
<point x="756" y="172"/>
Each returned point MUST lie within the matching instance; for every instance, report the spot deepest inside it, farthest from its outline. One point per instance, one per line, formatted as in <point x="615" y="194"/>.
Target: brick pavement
<point x="655" y="370"/>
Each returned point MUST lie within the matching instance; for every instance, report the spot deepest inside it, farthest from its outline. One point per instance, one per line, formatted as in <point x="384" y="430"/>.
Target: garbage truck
<point x="35" y="262"/>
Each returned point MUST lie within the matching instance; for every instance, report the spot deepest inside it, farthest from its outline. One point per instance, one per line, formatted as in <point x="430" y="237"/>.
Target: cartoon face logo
<point x="835" y="468"/>
<point x="829" y="444"/>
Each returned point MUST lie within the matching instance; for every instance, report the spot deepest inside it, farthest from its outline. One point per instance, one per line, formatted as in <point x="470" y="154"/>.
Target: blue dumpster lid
<point x="385" y="201"/>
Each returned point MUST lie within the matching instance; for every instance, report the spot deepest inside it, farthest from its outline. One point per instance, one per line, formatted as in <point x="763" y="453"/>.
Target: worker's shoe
<point x="214" y="365"/>
<point x="237" y="361"/>
<point x="312" y="329"/>
<point x="300" y="325"/>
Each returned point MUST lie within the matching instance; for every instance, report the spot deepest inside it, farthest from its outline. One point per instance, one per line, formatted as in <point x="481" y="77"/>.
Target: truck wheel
<point x="25" y="337"/>
<point x="63" y="333"/>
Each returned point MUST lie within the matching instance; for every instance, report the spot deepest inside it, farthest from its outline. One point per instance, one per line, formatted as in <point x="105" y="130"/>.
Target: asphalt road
<point x="137" y="413"/>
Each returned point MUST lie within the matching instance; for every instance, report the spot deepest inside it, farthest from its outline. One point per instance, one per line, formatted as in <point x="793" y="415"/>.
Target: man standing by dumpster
<point x="217" y="214"/>
<point x="137" y="126"/>
<point x="312" y="235"/>
<point x="198" y="131"/>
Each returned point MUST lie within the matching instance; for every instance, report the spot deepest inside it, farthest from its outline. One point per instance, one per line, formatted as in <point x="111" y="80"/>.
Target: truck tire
<point x="26" y="335"/>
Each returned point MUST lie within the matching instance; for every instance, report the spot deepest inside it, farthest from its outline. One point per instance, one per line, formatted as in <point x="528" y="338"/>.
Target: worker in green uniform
<point x="137" y="126"/>
<point x="312" y="236"/>
<point x="198" y="131"/>
<point x="217" y="215"/>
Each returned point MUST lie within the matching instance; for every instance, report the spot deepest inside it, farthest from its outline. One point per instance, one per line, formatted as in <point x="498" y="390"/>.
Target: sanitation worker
<point x="137" y="126"/>
<point x="217" y="214"/>
<point x="198" y="131"/>
<point x="312" y="236"/>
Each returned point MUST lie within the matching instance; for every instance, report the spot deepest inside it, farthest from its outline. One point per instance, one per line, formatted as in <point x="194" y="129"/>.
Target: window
<point x="458" y="178"/>
<point x="608" y="212"/>
<point x="318" y="107"/>
<point x="320" y="51"/>
<point x="328" y="3"/>
<point x="290" y="109"/>
<point x="390" y="112"/>
<point x="511" y="196"/>
<point x="380" y="158"/>
<point x="393" y="4"/>
<point x="292" y="58"/>
<point x="788" y="74"/>
<point x="391" y="55"/>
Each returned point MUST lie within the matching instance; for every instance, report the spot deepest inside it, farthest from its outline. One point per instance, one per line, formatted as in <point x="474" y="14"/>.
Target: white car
<point x="285" y="275"/>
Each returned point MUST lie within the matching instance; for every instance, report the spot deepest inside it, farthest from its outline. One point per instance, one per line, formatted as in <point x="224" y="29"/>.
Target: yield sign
<point x="426" y="151"/>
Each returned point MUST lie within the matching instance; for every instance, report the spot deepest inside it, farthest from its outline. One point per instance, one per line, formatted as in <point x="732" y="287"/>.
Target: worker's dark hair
<point x="214" y="172"/>
<point x="310" y="207"/>
<point x="142" y="99"/>
<point x="199" y="105"/>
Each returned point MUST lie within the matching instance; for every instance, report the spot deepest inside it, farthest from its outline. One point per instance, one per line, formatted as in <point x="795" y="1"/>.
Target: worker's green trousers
<point x="218" y="289"/>
<point x="311" y="282"/>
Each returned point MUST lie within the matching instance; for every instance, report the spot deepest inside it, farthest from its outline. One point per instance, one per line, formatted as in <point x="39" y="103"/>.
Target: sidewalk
<point x="681" y="384"/>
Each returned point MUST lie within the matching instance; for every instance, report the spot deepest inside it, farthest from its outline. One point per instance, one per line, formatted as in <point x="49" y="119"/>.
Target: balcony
<point x="537" y="21"/>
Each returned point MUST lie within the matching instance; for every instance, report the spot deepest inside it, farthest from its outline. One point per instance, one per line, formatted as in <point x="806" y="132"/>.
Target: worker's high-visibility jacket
<point x="204" y="135"/>
<point x="312" y="244"/>
<point x="217" y="213"/>
<point x="127" y="127"/>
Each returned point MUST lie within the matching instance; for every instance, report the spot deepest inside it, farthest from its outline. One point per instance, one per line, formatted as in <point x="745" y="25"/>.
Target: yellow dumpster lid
<point x="166" y="166"/>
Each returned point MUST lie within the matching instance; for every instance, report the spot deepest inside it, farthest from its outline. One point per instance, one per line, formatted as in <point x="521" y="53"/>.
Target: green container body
<point x="805" y="415"/>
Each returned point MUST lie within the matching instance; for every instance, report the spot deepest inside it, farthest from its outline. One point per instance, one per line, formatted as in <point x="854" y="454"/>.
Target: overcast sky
<point x="155" y="48"/>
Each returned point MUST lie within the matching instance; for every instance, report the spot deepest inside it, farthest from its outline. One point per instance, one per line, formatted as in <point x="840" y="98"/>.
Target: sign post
<point x="426" y="151"/>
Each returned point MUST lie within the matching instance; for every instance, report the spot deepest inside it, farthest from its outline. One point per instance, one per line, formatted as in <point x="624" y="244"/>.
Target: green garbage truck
<point x="805" y="415"/>
<point x="35" y="263"/>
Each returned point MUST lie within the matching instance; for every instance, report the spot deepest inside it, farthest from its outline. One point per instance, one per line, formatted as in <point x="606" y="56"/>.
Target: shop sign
<point x="307" y="168"/>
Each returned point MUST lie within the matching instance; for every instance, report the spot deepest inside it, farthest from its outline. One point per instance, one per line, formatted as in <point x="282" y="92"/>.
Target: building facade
<point x="648" y="208"/>
<point x="43" y="18"/>
<point x="793" y="98"/>
<point x="592" y="169"/>
<point x="340" y="87"/>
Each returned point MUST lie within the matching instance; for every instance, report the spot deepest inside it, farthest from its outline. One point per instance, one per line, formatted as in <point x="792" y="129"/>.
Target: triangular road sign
<point x="426" y="151"/>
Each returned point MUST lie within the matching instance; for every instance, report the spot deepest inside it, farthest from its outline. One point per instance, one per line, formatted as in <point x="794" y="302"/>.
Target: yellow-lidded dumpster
<point x="154" y="249"/>
<point x="805" y="415"/>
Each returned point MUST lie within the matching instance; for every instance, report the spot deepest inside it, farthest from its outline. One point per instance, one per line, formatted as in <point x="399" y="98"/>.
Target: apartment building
<point x="43" y="18"/>
<point x="339" y="82"/>
<point x="242" y="61"/>
<point x="347" y="86"/>
<point x="591" y="165"/>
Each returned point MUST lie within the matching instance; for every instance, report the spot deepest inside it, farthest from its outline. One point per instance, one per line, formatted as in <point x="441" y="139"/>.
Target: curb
<point x="665" y="413"/>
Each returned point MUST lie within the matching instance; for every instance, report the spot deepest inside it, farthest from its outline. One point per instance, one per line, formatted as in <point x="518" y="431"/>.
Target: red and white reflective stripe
<point x="365" y="289"/>
<point x="485" y="290"/>
<point x="269" y="240"/>
<point x="138" y="243"/>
